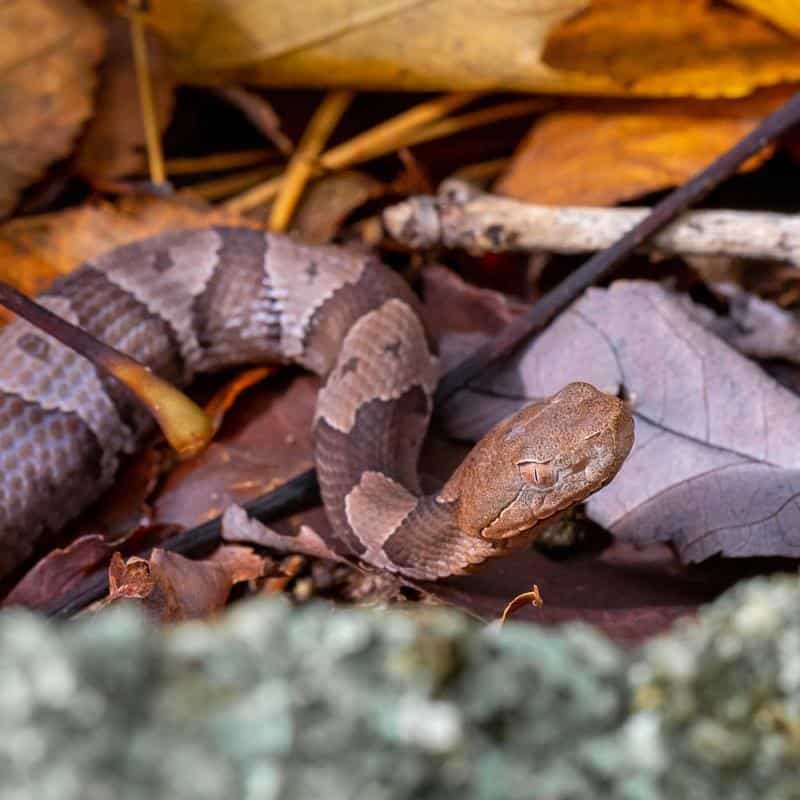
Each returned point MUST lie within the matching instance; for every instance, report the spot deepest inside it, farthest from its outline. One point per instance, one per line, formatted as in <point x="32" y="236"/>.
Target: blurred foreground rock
<point x="274" y="702"/>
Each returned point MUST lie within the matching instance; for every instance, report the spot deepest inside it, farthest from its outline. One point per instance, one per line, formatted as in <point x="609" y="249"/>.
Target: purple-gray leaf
<point x="716" y="464"/>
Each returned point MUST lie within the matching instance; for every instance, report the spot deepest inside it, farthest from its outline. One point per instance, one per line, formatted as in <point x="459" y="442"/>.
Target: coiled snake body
<point x="199" y="300"/>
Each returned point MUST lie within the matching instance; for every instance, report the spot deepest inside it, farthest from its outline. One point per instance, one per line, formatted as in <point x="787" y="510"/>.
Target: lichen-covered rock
<point x="275" y="702"/>
<point x="720" y="700"/>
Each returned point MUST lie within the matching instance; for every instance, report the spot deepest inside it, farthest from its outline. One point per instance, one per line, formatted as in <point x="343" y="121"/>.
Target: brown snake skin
<point x="199" y="300"/>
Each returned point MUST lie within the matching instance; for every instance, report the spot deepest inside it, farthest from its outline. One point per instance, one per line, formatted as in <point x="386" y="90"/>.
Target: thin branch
<point x="260" y="113"/>
<point x="486" y="223"/>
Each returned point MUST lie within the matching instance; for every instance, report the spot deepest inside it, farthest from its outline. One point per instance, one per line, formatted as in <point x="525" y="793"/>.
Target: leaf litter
<point x="713" y="474"/>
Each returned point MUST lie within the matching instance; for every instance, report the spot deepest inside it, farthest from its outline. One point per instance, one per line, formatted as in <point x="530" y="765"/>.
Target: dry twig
<point x="461" y="217"/>
<point x="260" y="113"/>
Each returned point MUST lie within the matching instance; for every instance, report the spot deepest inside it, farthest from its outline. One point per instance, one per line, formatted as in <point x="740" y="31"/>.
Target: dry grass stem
<point x="484" y="116"/>
<point x="393" y="133"/>
<point x="217" y="162"/>
<point x="227" y="185"/>
<point x="301" y="165"/>
<point x="383" y="138"/>
<point x="141" y="60"/>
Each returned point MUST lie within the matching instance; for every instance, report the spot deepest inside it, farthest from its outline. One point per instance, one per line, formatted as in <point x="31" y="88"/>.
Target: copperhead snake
<point x="195" y="301"/>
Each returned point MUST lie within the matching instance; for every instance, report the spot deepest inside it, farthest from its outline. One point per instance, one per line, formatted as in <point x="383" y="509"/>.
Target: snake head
<point x="540" y="461"/>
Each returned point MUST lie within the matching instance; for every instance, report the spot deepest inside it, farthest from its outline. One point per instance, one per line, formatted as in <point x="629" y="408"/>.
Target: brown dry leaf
<point x="265" y="439"/>
<point x="113" y="143"/>
<point x="63" y="569"/>
<point x="716" y="463"/>
<point x="614" y="152"/>
<point x="328" y="202"/>
<point x="672" y="47"/>
<point x="240" y="563"/>
<point x="48" y="52"/>
<point x="59" y="571"/>
<point x="34" y="251"/>
<point x="171" y="588"/>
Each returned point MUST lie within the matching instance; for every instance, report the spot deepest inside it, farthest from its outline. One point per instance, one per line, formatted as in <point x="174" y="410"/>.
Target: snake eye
<point x="541" y="475"/>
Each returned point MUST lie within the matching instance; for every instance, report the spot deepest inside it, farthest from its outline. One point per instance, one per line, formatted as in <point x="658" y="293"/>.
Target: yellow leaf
<point x="674" y="48"/>
<point x="604" y="154"/>
<point x="422" y="44"/>
<point x="783" y="13"/>
<point x="48" y="49"/>
<point x="650" y="47"/>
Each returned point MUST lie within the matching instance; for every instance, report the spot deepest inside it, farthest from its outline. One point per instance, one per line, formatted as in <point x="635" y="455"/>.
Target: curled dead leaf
<point x="171" y="588"/>
<point x="533" y="598"/>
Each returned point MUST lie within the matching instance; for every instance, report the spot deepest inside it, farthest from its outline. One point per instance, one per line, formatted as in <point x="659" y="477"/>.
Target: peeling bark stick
<point x="460" y="217"/>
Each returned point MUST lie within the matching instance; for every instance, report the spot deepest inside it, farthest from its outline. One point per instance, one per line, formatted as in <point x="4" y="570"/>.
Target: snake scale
<point x="199" y="300"/>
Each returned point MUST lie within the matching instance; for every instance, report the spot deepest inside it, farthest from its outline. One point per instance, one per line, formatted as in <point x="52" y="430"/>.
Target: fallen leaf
<point x="225" y="397"/>
<point x="48" y="49"/>
<point x="715" y="466"/>
<point x="783" y="13"/>
<point x="63" y="569"/>
<point x="125" y="505"/>
<point x="240" y="563"/>
<point x="328" y="203"/>
<point x="668" y="47"/>
<point x="756" y="327"/>
<point x="238" y="526"/>
<point x="265" y="439"/>
<point x="59" y="571"/>
<point x="113" y="143"/>
<point x="390" y="43"/>
<point x="608" y="153"/>
<point x="34" y="251"/>
<point x="171" y="588"/>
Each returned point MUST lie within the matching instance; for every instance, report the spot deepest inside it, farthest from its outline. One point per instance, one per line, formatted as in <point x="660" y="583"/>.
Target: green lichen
<point x="276" y="702"/>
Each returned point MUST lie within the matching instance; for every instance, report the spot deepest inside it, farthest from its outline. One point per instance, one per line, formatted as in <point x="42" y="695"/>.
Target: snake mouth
<point x="520" y="516"/>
